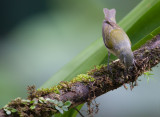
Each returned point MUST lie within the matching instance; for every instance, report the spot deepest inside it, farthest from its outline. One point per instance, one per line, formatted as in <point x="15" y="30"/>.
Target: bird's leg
<point x="131" y="85"/>
<point x="135" y="83"/>
<point x="108" y="67"/>
<point x="125" y="86"/>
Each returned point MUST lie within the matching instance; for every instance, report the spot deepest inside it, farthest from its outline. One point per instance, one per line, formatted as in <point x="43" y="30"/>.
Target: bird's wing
<point x="118" y="38"/>
<point x="105" y="34"/>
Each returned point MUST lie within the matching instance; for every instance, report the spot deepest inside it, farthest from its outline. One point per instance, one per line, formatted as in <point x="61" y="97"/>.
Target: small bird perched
<point x="116" y="40"/>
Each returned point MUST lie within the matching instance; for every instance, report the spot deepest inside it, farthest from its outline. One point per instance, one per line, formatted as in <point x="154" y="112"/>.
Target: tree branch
<point x="77" y="92"/>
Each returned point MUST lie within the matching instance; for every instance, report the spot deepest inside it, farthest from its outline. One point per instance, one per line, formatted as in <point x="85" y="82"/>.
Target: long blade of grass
<point x="135" y="23"/>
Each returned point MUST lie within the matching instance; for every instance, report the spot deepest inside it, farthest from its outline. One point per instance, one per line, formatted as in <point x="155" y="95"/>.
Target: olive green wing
<point x="119" y="37"/>
<point x="106" y="36"/>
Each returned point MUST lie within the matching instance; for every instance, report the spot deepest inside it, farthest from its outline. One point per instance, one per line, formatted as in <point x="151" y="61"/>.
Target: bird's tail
<point x="110" y="15"/>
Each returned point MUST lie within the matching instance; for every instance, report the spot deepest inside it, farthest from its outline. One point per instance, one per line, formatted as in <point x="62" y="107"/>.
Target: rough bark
<point x="80" y="92"/>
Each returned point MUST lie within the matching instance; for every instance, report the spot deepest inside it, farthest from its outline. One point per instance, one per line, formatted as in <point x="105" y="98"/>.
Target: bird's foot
<point x="131" y="86"/>
<point x="125" y="86"/>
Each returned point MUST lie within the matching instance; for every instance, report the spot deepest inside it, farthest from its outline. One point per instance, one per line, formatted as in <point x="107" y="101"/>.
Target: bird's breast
<point x="117" y="40"/>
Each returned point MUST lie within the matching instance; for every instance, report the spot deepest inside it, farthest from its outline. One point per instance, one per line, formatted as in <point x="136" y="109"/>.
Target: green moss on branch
<point x="84" y="87"/>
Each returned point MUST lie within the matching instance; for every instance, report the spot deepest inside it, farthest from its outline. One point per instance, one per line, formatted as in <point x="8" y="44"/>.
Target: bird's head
<point x="126" y="57"/>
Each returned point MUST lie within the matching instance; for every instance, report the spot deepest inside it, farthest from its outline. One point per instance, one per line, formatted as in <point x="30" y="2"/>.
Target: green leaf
<point x="31" y="102"/>
<point x="65" y="108"/>
<point x="138" y="23"/>
<point x="8" y="112"/>
<point x="41" y="98"/>
<point x="60" y="103"/>
<point x="40" y="101"/>
<point x="67" y="103"/>
<point x="146" y="38"/>
<point x="54" y="101"/>
<point x="13" y="110"/>
<point x="33" y="107"/>
<point x="59" y="109"/>
<point x="148" y="76"/>
<point x="70" y="113"/>
<point x="141" y="20"/>
<point x="143" y="41"/>
<point x="138" y="19"/>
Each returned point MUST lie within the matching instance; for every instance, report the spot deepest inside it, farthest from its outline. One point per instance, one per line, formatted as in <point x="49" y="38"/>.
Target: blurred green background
<point x="39" y="37"/>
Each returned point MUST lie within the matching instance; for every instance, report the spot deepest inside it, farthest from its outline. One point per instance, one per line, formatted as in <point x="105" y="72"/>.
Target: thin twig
<point x="78" y="111"/>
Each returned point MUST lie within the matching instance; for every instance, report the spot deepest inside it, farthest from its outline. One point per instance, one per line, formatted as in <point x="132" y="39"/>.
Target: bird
<point x="116" y="40"/>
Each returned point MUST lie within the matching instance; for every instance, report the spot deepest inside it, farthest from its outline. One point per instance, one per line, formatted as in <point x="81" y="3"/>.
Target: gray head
<point x="126" y="57"/>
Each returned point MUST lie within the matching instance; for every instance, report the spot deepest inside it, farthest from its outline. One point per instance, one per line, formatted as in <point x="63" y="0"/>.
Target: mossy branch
<point x="85" y="87"/>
